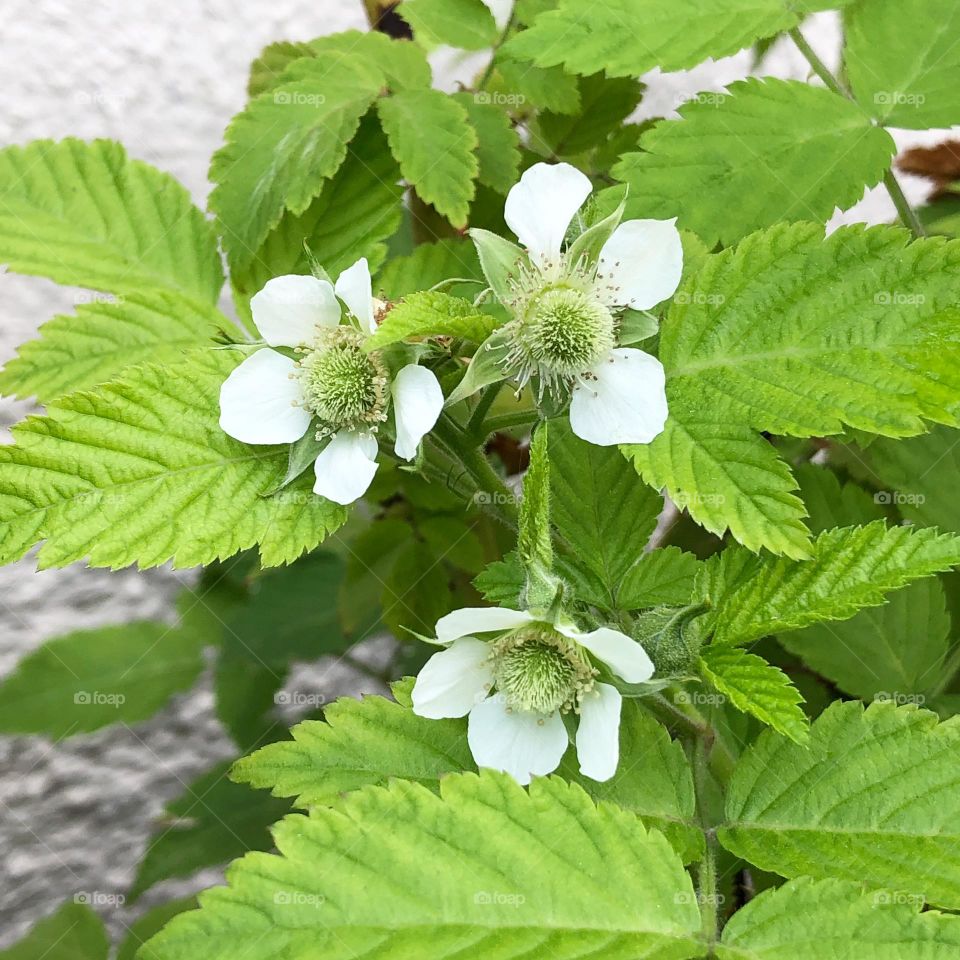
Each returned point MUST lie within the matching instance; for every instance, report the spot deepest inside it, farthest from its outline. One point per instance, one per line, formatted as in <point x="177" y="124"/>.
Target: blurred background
<point x="165" y="78"/>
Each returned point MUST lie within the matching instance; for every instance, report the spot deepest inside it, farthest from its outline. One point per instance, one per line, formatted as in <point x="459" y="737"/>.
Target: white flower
<point x="272" y="398"/>
<point x="517" y="682"/>
<point x="567" y="305"/>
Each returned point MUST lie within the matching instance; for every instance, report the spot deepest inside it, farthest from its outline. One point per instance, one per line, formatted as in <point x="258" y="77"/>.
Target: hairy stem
<point x="707" y="893"/>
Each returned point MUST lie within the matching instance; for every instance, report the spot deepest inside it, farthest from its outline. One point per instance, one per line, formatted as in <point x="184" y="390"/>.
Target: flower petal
<point x="622" y="399"/>
<point x="355" y="288"/>
<point x="417" y="402"/>
<point x="288" y="310"/>
<point x="598" y="734"/>
<point x="521" y="744"/>
<point x="346" y="467"/>
<point x="454" y="681"/>
<point x="540" y="207"/>
<point x="640" y="265"/>
<point x="259" y="401"/>
<point x="622" y="654"/>
<point x="469" y="620"/>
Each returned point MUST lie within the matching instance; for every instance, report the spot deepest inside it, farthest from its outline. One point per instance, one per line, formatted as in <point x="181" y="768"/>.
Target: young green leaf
<point x="766" y="151"/>
<point x="631" y="896"/>
<point x="498" y="147"/>
<point x="434" y="143"/>
<point x="525" y="85"/>
<point x="663" y="577"/>
<point x="73" y="932"/>
<point x="432" y="314"/>
<point x="870" y="797"/>
<point x="139" y="471"/>
<point x="467" y="24"/>
<point x="85" y="214"/>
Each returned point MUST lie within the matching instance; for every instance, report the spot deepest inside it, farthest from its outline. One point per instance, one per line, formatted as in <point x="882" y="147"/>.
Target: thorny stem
<point x="907" y="214"/>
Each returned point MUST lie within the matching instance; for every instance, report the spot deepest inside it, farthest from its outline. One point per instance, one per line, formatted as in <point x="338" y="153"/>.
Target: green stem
<point x="507" y="420"/>
<point x="908" y="216"/>
<point x="707" y="893"/>
<point x="488" y="70"/>
<point x="475" y="425"/>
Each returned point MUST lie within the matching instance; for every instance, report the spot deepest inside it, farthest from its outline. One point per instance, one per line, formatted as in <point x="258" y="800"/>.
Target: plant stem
<point x="707" y="894"/>
<point x="907" y="214"/>
<point x="488" y="70"/>
<point x="475" y="424"/>
<point x="507" y="420"/>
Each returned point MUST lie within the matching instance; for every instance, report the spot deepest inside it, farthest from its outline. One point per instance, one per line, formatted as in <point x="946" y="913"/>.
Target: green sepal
<point x="500" y="260"/>
<point x="636" y="326"/>
<point x="589" y="244"/>
<point x="302" y="455"/>
<point x="485" y="368"/>
<point x="666" y="635"/>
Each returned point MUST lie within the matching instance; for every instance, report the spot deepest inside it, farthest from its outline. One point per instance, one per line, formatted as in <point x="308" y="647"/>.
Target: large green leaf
<point x="872" y="797"/>
<point x="91" y="678"/>
<point x="434" y="143"/>
<point x="837" y="919"/>
<point x="767" y="151"/>
<point x="498" y="144"/>
<point x="432" y="314"/>
<point x="663" y="577"/>
<point x="483" y="869"/>
<point x="285" y="144"/>
<point x="467" y="24"/>
<point x="893" y="651"/>
<point x="902" y="59"/>
<point x="851" y="568"/>
<point x="105" y="337"/>
<point x="74" y="932"/>
<point x="139" y="471"/>
<point x="85" y="214"/>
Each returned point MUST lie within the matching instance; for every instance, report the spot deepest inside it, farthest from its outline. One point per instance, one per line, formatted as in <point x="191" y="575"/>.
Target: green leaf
<point x="267" y="69"/>
<point x="91" y="678"/>
<point x="432" y="314"/>
<point x="851" y="567"/>
<point x="767" y="151"/>
<point x="806" y="918"/>
<point x="152" y="922"/>
<point x="902" y="61"/>
<point x="284" y="145"/>
<point x="355" y="212"/>
<point x="864" y="332"/>
<point x="321" y="896"/>
<point x="832" y="503"/>
<point x="664" y="577"/>
<point x="756" y="687"/>
<point x="139" y="471"/>
<point x="498" y="147"/>
<point x="431" y="137"/>
<point x="521" y="83"/>
<point x="502" y="582"/>
<point x="600" y="509"/>
<point x="871" y="797"/>
<point x="726" y="477"/>
<point x="895" y="651"/>
<point x="466" y="24"/>
<point x="74" y="932"/>
<point x="211" y="822"/>
<point x="85" y="214"/>
<point x="428" y="265"/>
<point x="416" y="591"/>
<point x="103" y="338"/>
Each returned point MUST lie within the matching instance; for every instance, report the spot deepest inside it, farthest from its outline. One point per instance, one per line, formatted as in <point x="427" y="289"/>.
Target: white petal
<point x="346" y="467"/>
<point x="521" y="744"/>
<point x="641" y="263"/>
<point x="417" y="402"/>
<point x="288" y="310"/>
<point x="622" y="399"/>
<point x="598" y="735"/>
<point x="355" y="289"/>
<point x="469" y="620"/>
<point x="454" y="681"/>
<point x="258" y="401"/>
<point x="622" y="654"/>
<point x="540" y="207"/>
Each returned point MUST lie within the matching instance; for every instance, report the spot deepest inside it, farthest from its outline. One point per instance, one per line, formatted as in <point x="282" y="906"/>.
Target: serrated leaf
<point x="428" y="265"/>
<point x="839" y="916"/>
<point x="74" y="932"/>
<point x="851" y="568"/>
<point x="831" y="503"/>
<point x="756" y="687"/>
<point x="282" y="147"/>
<point x="895" y="651"/>
<point x="726" y="477"/>
<point x="103" y="338"/>
<point x="210" y="823"/>
<point x="912" y="84"/>
<point x="431" y="137"/>
<point x="266" y="70"/>
<point x="85" y="214"/>
<point x="767" y="151"/>
<point x="600" y="508"/>
<point x="798" y="335"/>
<point x="632" y="896"/>
<point x="498" y="145"/>
<point x="466" y="24"/>
<point x="432" y="314"/>
<point x="871" y="797"/>
<point x="139" y="471"/>
<point x="522" y="83"/>
<point x="663" y="577"/>
<point x="89" y="679"/>
<point x="152" y="922"/>
<point x="502" y="582"/>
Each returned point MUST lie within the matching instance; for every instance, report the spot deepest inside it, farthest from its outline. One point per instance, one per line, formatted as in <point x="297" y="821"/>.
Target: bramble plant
<point x="651" y="477"/>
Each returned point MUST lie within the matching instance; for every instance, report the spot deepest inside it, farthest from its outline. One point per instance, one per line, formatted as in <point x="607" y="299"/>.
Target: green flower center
<point x="540" y="671"/>
<point x="344" y="387"/>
